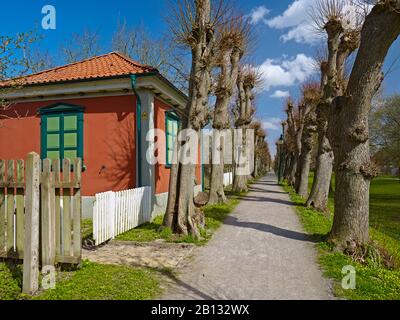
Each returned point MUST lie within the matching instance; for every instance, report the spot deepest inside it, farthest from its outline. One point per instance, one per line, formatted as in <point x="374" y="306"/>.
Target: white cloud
<point x="296" y="19"/>
<point x="272" y="124"/>
<point x="295" y="14"/>
<point x="258" y="14"/>
<point x="286" y="72"/>
<point x="280" y="94"/>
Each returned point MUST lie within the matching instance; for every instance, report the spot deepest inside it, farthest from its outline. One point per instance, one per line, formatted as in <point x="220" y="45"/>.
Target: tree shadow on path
<point x="289" y="234"/>
<point x="255" y="189"/>
<point x="266" y="200"/>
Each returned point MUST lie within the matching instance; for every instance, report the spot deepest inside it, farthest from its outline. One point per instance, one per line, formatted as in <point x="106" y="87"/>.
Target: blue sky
<point x="283" y="50"/>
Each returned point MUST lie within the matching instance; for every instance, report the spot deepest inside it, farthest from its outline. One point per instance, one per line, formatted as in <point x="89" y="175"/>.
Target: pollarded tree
<point x="342" y="41"/>
<point x="233" y="38"/>
<point x="262" y="157"/>
<point x="348" y="128"/>
<point x="244" y="110"/>
<point x="195" y="26"/>
<point x="265" y="159"/>
<point x="294" y="130"/>
<point x="311" y="95"/>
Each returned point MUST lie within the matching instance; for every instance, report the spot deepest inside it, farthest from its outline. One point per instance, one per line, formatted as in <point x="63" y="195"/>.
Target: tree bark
<point x="293" y="169"/>
<point x="307" y="141"/>
<point x="318" y="198"/>
<point x="199" y="31"/>
<point x="217" y="192"/>
<point x="287" y="162"/>
<point x="228" y="78"/>
<point x="240" y="180"/>
<point x="349" y="127"/>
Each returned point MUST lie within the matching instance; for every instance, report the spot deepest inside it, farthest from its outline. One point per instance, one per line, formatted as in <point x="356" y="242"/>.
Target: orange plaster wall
<point x="109" y="139"/>
<point x="162" y="173"/>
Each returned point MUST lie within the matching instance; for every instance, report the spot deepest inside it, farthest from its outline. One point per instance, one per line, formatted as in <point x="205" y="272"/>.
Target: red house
<point x="101" y="110"/>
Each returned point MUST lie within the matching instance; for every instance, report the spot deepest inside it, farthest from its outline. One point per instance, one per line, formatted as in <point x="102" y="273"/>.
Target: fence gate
<point x="41" y="200"/>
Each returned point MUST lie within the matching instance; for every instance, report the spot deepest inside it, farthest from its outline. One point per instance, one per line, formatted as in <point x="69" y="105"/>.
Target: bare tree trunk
<point x="196" y="29"/>
<point x="240" y="179"/>
<point x="287" y="164"/>
<point x="256" y="160"/>
<point x="293" y="169"/>
<point x="303" y="171"/>
<point x="319" y="195"/>
<point x="170" y="217"/>
<point x="349" y="129"/>
<point x="217" y="193"/>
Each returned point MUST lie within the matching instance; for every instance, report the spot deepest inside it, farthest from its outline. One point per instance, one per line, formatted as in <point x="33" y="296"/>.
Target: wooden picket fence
<point x="115" y="213"/>
<point x="39" y="200"/>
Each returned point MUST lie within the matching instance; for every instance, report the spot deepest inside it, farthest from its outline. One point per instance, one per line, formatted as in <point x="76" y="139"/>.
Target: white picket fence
<point x="228" y="179"/>
<point x="117" y="212"/>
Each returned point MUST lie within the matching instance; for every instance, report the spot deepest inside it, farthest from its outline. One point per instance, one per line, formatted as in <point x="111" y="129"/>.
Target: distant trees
<point x="296" y="115"/>
<point x="385" y="132"/>
<point x="262" y="155"/>
<point x="159" y="52"/>
<point x="16" y="59"/>
<point x="136" y="43"/>
<point x="81" y="46"/>
<point x="18" y="56"/>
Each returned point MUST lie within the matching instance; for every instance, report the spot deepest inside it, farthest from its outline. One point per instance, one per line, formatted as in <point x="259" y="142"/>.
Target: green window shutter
<point x="62" y="132"/>
<point x="172" y="124"/>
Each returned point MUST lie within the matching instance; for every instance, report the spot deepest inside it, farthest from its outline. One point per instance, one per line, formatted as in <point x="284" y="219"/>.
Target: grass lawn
<point x="91" y="282"/>
<point x="374" y="281"/>
<point x="215" y="216"/>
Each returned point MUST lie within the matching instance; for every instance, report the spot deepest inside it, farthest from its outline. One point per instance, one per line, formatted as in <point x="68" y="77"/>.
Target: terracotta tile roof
<point x="109" y="65"/>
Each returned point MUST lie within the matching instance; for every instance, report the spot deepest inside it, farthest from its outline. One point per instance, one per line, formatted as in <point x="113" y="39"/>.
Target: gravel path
<point x="261" y="252"/>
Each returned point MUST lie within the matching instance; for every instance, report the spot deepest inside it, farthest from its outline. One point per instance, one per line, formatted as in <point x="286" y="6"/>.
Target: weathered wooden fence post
<point x="77" y="212"/>
<point x="31" y="244"/>
<point x="20" y="207"/>
<point x="48" y="216"/>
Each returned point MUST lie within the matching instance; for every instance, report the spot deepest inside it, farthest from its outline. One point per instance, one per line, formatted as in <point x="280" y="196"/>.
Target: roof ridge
<point x="129" y="60"/>
<point x="60" y="67"/>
